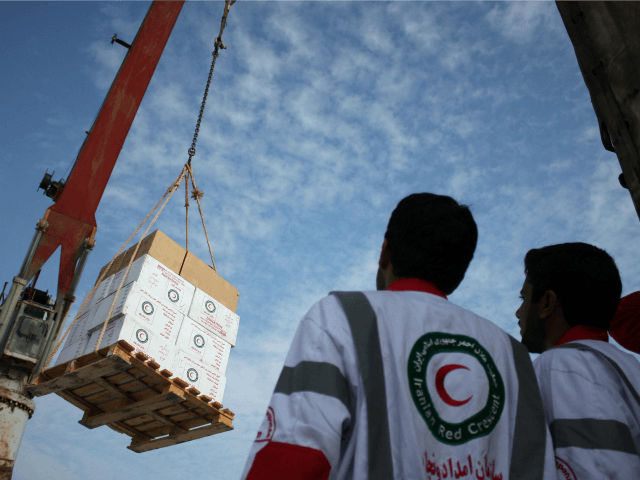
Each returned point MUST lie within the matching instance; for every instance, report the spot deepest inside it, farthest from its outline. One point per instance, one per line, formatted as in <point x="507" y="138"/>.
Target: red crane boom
<point x="28" y="325"/>
<point x="72" y="218"/>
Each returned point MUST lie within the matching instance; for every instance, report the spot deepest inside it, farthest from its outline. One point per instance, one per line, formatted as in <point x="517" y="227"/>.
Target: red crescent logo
<point x="565" y="469"/>
<point x="444" y="395"/>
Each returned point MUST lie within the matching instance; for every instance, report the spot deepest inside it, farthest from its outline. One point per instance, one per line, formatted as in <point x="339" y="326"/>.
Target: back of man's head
<point x="585" y="279"/>
<point x="431" y="237"/>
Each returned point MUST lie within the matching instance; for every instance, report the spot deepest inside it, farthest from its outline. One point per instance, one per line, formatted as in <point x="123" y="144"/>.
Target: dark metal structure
<point x="606" y="39"/>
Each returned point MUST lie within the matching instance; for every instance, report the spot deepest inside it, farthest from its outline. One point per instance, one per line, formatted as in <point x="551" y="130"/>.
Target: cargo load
<point x="172" y="307"/>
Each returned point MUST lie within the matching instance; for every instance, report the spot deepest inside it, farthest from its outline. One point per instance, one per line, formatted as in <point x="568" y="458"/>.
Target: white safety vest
<point x="407" y="386"/>
<point x="590" y="390"/>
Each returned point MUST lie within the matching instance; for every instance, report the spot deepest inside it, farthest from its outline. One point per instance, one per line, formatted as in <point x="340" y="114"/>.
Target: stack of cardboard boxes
<point x="172" y="306"/>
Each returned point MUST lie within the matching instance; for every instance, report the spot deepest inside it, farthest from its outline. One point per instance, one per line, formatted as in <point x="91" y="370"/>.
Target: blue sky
<point x="322" y="116"/>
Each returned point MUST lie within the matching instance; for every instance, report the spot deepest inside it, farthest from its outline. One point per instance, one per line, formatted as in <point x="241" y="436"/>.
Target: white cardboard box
<point x="114" y="282"/>
<point x="203" y="345"/>
<point x="86" y="295"/>
<point x="148" y="310"/>
<point x="158" y="280"/>
<point x="139" y="335"/>
<point x="72" y="351"/>
<point x="102" y="290"/>
<point x="80" y="329"/>
<point x="93" y="301"/>
<point x="210" y="313"/>
<point x="99" y="294"/>
<point x="102" y="310"/>
<point x="198" y="374"/>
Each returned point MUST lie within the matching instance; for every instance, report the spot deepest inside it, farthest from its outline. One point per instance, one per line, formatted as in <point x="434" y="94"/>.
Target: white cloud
<point x="455" y="55"/>
<point x="421" y="27"/>
<point x="556" y="166"/>
<point x="108" y="62"/>
<point x="126" y="28"/>
<point x="260" y="60"/>
<point x="521" y="22"/>
<point x="374" y="32"/>
<point x="590" y="134"/>
<point x="463" y="179"/>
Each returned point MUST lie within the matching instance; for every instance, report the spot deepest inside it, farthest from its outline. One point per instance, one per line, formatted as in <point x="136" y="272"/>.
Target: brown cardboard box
<point x="156" y="244"/>
<point x="198" y="273"/>
<point x="160" y="247"/>
<point x="126" y="257"/>
<point x="186" y="264"/>
<point x="100" y="274"/>
<point x="115" y="267"/>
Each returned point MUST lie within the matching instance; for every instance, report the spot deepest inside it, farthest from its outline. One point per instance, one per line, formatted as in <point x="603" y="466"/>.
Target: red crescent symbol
<point x="440" y="376"/>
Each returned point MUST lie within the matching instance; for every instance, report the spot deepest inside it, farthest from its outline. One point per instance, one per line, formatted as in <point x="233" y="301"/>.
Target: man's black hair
<point x="433" y="238"/>
<point x="585" y="279"/>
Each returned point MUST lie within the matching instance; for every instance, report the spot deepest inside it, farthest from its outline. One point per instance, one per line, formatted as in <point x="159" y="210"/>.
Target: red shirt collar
<point x="582" y="332"/>
<point x="415" y="284"/>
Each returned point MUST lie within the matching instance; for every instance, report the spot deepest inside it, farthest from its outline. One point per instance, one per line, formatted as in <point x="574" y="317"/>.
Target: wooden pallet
<point x="131" y="395"/>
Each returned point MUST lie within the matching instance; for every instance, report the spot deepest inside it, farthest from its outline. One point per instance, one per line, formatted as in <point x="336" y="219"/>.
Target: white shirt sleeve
<point x="586" y="417"/>
<point x="313" y="400"/>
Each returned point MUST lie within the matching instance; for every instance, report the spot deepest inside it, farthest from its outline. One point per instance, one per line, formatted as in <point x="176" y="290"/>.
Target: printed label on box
<point x="114" y="282"/>
<point x="72" y="351"/>
<point x="141" y="337"/>
<point x="102" y="290"/>
<point x="214" y="316"/>
<point x="81" y="327"/>
<point x="136" y="301"/>
<point x="92" y="301"/>
<point x="105" y="305"/>
<point x="159" y="281"/>
<point x="198" y="374"/>
<point x="166" y="321"/>
<point x="169" y="286"/>
<point x="109" y="337"/>
<point x="204" y="345"/>
<point x="84" y="299"/>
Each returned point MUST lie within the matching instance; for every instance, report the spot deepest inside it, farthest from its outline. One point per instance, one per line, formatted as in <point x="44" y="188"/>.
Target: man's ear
<point x="385" y="256"/>
<point x="547" y="304"/>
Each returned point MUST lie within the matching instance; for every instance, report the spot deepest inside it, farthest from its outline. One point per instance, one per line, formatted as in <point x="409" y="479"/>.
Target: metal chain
<point x="218" y="45"/>
<point x="197" y="194"/>
<point x="192" y="150"/>
<point x="186" y="206"/>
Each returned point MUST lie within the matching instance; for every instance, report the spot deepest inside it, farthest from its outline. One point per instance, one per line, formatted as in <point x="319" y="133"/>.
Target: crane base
<point x="128" y="393"/>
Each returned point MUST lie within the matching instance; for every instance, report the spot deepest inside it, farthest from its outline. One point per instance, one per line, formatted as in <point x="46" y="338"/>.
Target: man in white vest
<point x="400" y="383"/>
<point x="589" y="387"/>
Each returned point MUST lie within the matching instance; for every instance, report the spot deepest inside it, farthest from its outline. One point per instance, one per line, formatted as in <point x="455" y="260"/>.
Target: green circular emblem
<point x="478" y="422"/>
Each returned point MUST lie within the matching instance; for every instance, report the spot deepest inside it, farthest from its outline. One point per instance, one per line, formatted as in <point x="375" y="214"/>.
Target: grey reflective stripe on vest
<point x="616" y="367"/>
<point x="364" y="329"/>
<point x="592" y="434"/>
<point x="318" y="377"/>
<point x="530" y="431"/>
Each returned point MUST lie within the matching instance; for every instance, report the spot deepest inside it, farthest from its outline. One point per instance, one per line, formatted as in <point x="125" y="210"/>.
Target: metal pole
<point x="16" y="407"/>
<point x="19" y="282"/>
<point x="62" y="309"/>
<point x="40" y="228"/>
<point x="6" y="314"/>
<point x="89" y="244"/>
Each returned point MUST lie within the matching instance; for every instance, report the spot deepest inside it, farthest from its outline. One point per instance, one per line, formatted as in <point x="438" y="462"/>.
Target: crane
<point x="30" y="321"/>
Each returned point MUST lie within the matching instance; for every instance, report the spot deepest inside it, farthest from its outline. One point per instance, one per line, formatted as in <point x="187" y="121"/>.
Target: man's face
<point x="532" y="327"/>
